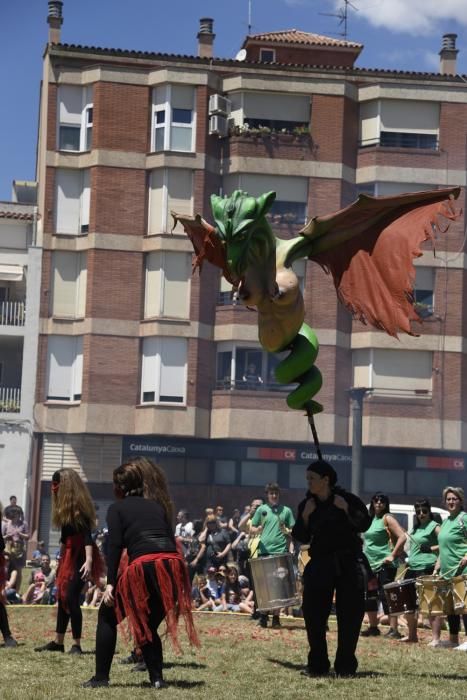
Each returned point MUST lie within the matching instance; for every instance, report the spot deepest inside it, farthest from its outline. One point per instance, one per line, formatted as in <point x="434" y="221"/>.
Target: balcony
<point x="242" y="385"/>
<point x="396" y="139"/>
<point x="12" y="313"/>
<point x="10" y="399"/>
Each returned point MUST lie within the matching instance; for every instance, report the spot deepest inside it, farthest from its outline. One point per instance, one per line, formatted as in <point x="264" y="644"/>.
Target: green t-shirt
<point x="423" y="535"/>
<point x="377" y="543"/>
<point x="272" y="539"/>
<point x="452" y="541"/>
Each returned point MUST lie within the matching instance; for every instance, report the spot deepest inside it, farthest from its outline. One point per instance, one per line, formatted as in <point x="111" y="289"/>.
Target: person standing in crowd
<point x="452" y="561"/>
<point x="195" y="554"/>
<point x="16" y="534"/>
<point x="273" y="523"/>
<point x="184" y="529"/>
<point x="9" y="640"/>
<point x="384" y="543"/>
<point x="154" y="584"/>
<point x="421" y="562"/>
<point x="217" y="541"/>
<point x="73" y="512"/>
<point x="331" y="519"/>
<point x="7" y="515"/>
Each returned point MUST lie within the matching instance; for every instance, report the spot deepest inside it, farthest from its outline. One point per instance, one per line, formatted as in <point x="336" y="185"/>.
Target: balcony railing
<point x="12" y="313"/>
<point x="10" y="399"/>
<point x="396" y="139"/>
<point x="241" y="385"/>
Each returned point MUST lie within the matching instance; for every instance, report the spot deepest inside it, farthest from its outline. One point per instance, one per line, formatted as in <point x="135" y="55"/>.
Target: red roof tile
<point x="19" y="216"/>
<point x="293" y="36"/>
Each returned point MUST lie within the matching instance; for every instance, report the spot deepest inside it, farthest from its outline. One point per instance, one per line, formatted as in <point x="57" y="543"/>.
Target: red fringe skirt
<point x="73" y="554"/>
<point x="132" y="596"/>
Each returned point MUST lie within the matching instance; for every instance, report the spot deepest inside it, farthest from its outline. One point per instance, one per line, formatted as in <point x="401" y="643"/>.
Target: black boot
<point x="51" y="646"/>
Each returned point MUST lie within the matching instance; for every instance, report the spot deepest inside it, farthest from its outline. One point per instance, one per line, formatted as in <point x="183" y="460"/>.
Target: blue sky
<point x="399" y="34"/>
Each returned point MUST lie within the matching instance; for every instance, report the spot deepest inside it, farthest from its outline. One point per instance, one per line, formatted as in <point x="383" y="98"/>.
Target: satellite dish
<point x="241" y="55"/>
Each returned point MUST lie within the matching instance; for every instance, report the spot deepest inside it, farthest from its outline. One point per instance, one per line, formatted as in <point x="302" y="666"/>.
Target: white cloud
<point x="410" y="16"/>
<point x="402" y="59"/>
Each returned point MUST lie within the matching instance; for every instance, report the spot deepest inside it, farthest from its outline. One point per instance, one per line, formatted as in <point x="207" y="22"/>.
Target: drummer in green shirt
<point x="273" y="523"/>
<point x="421" y="562"/>
<point x="452" y="560"/>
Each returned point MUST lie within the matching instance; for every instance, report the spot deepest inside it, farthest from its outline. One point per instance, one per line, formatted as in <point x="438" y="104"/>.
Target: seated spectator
<point x="49" y="578"/>
<point x="36" y="590"/>
<point x="95" y="593"/>
<point x="37" y="554"/>
<point x="215" y="584"/>
<point x="231" y="598"/>
<point x="217" y="542"/>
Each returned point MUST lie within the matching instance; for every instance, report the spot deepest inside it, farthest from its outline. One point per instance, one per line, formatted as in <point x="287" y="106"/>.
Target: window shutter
<point x="180" y="194"/>
<point x="150" y="369"/>
<point x="77" y="373"/>
<point x="287" y="188"/>
<point x="64" y="293"/>
<point x="152" y="298"/>
<point x="85" y="201"/>
<point x="173" y="369"/>
<point x="182" y="97"/>
<point x="60" y="363"/>
<point x="70" y="104"/>
<point x="156" y="202"/>
<point x="82" y="281"/>
<point x="295" y="108"/>
<point x="68" y="201"/>
<point x="176" y="284"/>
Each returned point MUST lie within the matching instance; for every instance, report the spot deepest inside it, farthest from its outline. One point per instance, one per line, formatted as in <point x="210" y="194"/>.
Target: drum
<point x="274" y="582"/>
<point x="459" y="595"/>
<point x="434" y="595"/>
<point x="401" y="596"/>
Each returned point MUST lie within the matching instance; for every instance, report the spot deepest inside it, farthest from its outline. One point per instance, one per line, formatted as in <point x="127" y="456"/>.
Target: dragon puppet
<point x="368" y="247"/>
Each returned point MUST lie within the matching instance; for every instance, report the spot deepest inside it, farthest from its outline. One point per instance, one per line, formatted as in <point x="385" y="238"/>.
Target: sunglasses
<point x="379" y="500"/>
<point x="421" y="511"/>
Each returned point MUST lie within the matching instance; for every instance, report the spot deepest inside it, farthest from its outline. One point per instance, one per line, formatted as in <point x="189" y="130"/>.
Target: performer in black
<point x="330" y="519"/>
<point x="9" y="640"/>
<point x="153" y="584"/>
<point x="74" y="513"/>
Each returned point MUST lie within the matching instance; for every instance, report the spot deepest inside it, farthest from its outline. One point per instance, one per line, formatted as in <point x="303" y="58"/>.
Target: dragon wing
<point x="206" y="242"/>
<point x="369" y="247"/>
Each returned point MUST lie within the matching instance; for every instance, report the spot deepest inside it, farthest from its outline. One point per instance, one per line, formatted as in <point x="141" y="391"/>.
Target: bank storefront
<point x="204" y="473"/>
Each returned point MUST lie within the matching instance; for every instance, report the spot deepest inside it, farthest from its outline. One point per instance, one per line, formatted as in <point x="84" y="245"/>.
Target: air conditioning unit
<point x="218" y="125"/>
<point x="219" y="105"/>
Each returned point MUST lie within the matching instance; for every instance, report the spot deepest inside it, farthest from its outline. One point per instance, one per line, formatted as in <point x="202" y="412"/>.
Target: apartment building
<point x="20" y="279"/>
<point x="139" y="357"/>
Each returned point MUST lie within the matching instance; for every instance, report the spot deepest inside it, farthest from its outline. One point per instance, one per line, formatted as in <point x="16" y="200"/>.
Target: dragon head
<point x="249" y="242"/>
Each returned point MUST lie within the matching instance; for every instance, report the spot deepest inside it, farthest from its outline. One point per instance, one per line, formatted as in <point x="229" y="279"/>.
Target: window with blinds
<point x="167" y="291"/>
<point x="399" y="123"/>
<point x="173" y="118"/>
<point x="69" y="274"/>
<point x="170" y="189"/>
<point x="75" y="117"/>
<point x="164" y="370"/>
<point x="72" y="201"/>
<point x="64" y="368"/>
<point x="397" y="373"/>
<point x="290" y="205"/>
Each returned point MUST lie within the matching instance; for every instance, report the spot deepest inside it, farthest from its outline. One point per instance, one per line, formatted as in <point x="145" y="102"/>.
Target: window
<point x="396" y="373"/>
<point x="423" y="291"/>
<point x="399" y="124"/>
<point x="258" y="473"/>
<point x="224" y="471"/>
<point x="75" y="118"/>
<point x="277" y="111"/>
<point x="245" y="367"/>
<point x="170" y="189"/>
<point x="164" y="370"/>
<point x="64" y="368"/>
<point x="68" y="284"/>
<point x="385" y="480"/>
<point x="267" y="55"/>
<point x="290" y="205"/>
<point x="173" y="118"/>
<point x="72" y="201"/>
<point x="167" y="284"/>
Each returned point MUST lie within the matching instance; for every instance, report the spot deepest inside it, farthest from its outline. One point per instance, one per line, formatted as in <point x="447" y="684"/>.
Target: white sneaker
<point x="446" y="644"/>
<point x="462" y="647"/>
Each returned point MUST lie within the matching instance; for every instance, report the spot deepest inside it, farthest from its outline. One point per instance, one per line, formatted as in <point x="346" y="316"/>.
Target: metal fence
<point x="12" y="313"/>
<point x="10" y="399"/>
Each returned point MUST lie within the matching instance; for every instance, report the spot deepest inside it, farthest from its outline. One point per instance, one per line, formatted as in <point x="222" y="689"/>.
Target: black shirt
<point x="70" y="530"/>
<point x="140" y="525"/>
<point x="330" y="529"/>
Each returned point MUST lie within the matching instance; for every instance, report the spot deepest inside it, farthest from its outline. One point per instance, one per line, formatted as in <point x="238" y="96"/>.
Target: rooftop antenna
<point x="249" y="17"/>
<point x="342" y="16"/>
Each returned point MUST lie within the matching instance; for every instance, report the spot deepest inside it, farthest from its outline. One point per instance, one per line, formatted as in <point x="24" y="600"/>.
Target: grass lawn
<point x="237" y="661"/>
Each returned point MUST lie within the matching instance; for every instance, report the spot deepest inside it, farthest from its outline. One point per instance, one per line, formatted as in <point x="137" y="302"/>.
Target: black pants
<point x="72" y="606"/>
<point x="385" y="575"/>
<point x="454" y="623"/>
<point x="4" y="626"/>
<point x="106" y="634"/>
<point x="321" y="578"/>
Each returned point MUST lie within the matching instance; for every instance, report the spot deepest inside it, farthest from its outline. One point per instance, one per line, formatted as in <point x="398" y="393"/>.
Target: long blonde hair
<point x="71" y="501"/>
<point x="141" y="476"/>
